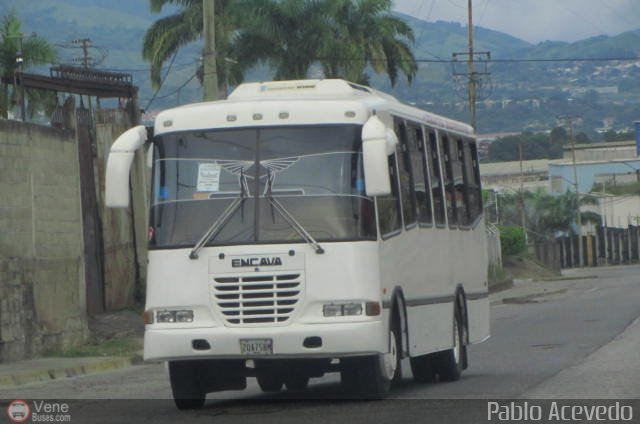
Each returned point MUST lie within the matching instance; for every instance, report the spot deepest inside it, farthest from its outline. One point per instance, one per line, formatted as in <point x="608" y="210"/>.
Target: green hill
<point x="515" y="96"/>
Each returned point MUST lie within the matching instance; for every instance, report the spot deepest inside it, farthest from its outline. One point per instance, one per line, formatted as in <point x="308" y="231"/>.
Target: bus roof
<point x="316" y="101"/>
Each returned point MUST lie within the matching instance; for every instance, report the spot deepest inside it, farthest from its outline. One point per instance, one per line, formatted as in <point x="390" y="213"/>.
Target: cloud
<point x="534" y="20"/>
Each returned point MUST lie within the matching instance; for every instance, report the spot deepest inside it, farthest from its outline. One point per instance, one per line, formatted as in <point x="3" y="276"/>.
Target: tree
<point x="534" y="146"/>
<point x="168" y="35"/>
<point x="365" y="35"/>
<point x="559" y="135"/>
<point x="344" y="37"/>
<point x="288" y="35"/>
<point x="546" y="214"/>
<point x="35" y="51"/>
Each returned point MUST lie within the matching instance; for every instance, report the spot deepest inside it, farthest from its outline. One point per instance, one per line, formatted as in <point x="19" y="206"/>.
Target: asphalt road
<point x="531" y="342"/>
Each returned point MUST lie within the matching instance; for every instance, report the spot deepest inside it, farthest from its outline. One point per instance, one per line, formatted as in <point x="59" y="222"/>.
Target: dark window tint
<point x="462" y="201"/>
<point x="389" y="206"/>
<point x="420" y="174"/>
<point x="407" y="194"/>
<point x="449" y="177"/>
<point x="472" y="180"/>
<point x="436" y="179"/>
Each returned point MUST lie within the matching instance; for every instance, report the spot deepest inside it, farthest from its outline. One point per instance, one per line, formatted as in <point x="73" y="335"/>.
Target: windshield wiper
<point x="222" y="220"/>
<point x="289" y="218"/>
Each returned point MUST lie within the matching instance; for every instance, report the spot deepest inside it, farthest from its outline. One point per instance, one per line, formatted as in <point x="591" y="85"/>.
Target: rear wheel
<point x="448" y="363"/>
<point x="185" y="384"/>
<point x="422" y="368"/>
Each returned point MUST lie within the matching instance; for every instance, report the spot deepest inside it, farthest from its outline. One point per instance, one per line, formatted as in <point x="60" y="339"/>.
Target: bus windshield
<point x="315" y="172"/>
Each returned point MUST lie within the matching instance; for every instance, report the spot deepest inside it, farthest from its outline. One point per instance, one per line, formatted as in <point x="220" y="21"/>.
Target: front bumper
<point x="338" y="340"/>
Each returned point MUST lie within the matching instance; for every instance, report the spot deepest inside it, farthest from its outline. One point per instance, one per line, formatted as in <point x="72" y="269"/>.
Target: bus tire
<point x="269" y="377"/>
<point x="185" y="385"/>
<point x="422" y="368"/>
<point x="296" y="382"/>
<point x="370" y="377"/>
<point x="449" y="362"/>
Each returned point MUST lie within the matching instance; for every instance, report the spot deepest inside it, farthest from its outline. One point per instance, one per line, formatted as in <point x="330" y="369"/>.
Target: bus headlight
<point x="343" y="309"/>
<point x="174" y="316"/>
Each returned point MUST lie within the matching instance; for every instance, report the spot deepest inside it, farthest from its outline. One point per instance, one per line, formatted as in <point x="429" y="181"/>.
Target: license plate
<point x="256" y="347"/>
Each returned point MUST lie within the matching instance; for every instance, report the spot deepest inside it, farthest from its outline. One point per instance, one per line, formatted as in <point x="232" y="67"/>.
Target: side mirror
<point x="119" y="165"/>
<point x="378" y="142"/>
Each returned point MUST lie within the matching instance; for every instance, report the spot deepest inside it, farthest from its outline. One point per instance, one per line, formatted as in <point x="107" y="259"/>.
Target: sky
<point x="534" y="20"/>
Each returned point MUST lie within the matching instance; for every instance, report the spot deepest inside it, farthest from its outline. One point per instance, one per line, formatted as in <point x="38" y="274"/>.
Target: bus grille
<point x="257" y="299"/>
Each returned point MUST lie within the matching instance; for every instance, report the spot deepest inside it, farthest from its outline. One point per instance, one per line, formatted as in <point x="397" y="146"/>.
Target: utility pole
<point x="20" y="63"/>
<point x="86" y="43"/>
<point x="523" y="218"/>
<point x="210" y="77"/>
<point x="473" y="77"/>
<point x="569" y="119"/>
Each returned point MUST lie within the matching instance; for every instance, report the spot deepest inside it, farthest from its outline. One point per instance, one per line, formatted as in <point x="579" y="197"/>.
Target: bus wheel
<point x="269" y="377"/>
<point x="296" y="382"/>
<point x="422" y="368"/>
<point x="370" y="377"/>
<point x="449" y="362"/>
<point x="185" y="385"/>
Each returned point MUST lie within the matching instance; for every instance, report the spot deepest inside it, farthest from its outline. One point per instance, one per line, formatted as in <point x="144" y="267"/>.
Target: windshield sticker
<point x="208" y="177"/>
<point x="163" y="193"/>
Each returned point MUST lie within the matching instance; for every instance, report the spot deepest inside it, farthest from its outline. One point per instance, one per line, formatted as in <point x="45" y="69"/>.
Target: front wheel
<point x="296" y="382"/>
<point x="185" y="384"/>
<point x="370" y="377"/>
<point x="269" y="376"/>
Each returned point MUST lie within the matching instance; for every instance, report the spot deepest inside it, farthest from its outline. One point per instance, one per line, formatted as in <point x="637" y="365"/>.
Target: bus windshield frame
<point x="316" y="173"/>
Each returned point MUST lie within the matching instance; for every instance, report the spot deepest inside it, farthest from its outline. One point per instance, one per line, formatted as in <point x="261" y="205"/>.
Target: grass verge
<point x="117" y="346"/>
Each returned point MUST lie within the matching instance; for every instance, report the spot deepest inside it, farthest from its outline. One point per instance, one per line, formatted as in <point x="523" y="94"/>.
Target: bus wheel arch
<point x="460" y="307"/>
<point x="399" y="313"/>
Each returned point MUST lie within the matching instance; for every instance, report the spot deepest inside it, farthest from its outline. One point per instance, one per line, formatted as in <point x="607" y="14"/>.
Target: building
<point x="602" y="151"/>
<point x="507" y="176"/>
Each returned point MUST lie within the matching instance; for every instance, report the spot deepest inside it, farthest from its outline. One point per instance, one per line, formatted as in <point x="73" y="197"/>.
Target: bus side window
<point x="389" y="206"/>
<point x="449" y="178"/>
<point x="472" y="180"/>
<point x="407" y="193"/>
<point x="420" y="174"/>
<point x="460" y="182"/>
<point x="436" y="179"/>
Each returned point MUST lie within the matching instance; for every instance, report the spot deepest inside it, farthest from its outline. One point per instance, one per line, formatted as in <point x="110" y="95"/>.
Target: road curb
<point x="53" y="373"/>
<point x="528" y="298"/>
<point x="566" y="278"/>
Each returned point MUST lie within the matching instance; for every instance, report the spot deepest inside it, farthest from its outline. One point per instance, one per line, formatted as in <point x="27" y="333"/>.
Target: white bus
<point x="303" y="227"/>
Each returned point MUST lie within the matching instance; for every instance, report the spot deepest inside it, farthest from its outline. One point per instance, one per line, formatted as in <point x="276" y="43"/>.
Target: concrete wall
<point x="42" y="286"/>
<point x="124" y="230"/>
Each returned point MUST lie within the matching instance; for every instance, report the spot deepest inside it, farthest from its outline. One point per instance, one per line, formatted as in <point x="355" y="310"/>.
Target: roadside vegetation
<point x="117" y="346"/>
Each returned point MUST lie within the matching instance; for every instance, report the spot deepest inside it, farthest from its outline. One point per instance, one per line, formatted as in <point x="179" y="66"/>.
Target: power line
<point x="492" y="60"/>
<point x="184" y="84"/>
<point x="162" y="81"/>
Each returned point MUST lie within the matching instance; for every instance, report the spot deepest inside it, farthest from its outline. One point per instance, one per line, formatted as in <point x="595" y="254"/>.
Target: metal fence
<point x="494" y="247"/>
<point x="608" y="246"/>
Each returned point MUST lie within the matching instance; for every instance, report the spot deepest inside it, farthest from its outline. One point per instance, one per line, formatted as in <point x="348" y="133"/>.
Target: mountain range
<point x="514" y="95"/>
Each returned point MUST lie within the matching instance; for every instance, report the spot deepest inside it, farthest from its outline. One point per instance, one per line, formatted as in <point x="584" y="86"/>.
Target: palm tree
<point x="289" y="35"/>
<point x="35" y="51"/>
<point x="168" y="35"/>
<point x="344" y="37"/>
<point x="365" y="35"/>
